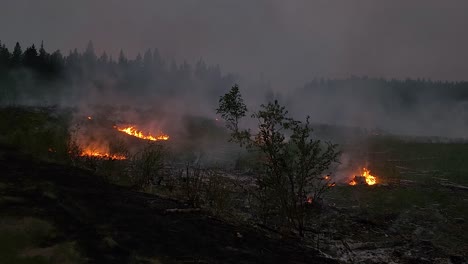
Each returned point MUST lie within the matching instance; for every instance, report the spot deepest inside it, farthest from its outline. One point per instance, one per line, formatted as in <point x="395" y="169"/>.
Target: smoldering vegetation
<point x="73" y="109"/>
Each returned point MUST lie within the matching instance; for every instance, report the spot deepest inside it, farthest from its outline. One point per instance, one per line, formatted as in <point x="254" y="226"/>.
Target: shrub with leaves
<point x="293" y="163"/>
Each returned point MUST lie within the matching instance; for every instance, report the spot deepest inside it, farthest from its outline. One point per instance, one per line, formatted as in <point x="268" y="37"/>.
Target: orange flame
<point x="133" y="131"/>
<point x="370" y="180"/>
<point x="101" y="155"/>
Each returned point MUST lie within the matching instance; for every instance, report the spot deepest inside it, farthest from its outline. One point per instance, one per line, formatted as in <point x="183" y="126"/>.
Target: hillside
<point x="60" y="214"/>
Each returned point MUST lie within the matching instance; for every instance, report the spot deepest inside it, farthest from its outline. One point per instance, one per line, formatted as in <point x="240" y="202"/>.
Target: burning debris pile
<point x="365" y="178"/>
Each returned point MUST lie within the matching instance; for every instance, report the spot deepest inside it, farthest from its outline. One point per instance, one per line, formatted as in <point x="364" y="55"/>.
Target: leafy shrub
<point x="292" y="163"/>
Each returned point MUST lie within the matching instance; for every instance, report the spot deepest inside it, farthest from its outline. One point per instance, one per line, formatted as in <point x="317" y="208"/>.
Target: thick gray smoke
<point x="285" y="43"/>
<point x="382" y="110"/>
<point x="288" y="41"/>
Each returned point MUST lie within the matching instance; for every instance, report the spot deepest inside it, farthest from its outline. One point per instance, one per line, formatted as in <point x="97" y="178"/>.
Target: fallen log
<point x="455" y="186"/>
<point x="182" y="210"/>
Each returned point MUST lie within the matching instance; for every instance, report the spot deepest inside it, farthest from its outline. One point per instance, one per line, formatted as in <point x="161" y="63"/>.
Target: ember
<point x="133" y="131"/>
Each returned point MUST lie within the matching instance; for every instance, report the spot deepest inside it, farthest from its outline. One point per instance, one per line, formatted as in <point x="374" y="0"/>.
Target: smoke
<point x="288" y="41"/>
<point x="378" y="105"/>
<point x="274" y="46"/>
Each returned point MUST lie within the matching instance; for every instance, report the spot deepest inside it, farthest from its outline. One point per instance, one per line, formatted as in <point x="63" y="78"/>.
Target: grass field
<point x="411" y="205"/>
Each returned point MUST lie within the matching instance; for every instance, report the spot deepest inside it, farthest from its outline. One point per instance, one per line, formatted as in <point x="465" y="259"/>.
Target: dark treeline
<point x="34" y="75"/>
<point x="410" y="107"/>
<point x="403" y="93"/>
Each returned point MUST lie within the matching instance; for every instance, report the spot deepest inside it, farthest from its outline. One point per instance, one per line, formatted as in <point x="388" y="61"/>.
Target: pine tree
<point x="4" y="56"/>
<point x="89" y="55"/>
<point x="148" y="60"/>
<point x="30" y="57"/>
<point x="43" y="58"/>
<point x="17" y="56"/>
<point x="122" y="59"/>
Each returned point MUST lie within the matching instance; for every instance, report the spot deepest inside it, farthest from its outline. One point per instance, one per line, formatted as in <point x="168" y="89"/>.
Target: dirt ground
<point x="111" y="224"/>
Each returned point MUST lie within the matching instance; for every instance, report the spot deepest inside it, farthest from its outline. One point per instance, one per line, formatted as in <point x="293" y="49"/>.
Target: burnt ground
<point x="112" y="224"/>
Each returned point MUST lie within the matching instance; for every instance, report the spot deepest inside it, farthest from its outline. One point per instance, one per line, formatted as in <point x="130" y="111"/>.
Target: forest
<point x="35" y="74"/>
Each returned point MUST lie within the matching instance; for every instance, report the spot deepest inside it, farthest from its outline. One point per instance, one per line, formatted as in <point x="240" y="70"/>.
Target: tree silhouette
<point x="17" y="56"/>
<point x="30" y="57"/>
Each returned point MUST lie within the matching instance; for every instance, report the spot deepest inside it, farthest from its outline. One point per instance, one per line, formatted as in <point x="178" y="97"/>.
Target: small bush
<point x="291" y="175"/>
<point x="190" y="182"/>
<point x="217" y="193"/>
<point x="147" y="166"/>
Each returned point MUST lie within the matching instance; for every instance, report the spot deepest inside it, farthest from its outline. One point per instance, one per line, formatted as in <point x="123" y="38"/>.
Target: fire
<point x="90" y="117"/>
<point x="133" y="131"/>
<point x="364" y="175"/>
<point x="101" y="155"/>
<point x="328" y="179"/>
<point x="370" y="180"/>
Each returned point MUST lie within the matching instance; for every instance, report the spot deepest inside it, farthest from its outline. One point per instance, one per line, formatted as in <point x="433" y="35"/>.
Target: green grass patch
<point x="423" y="158"/>
<point x="42" y="132"/>
<point x="436" y="212"/>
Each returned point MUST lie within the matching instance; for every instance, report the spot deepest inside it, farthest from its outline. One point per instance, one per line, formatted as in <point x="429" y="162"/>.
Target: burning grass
<point x="134" y="131"/>
<point x="392" y="210"/>
<point x="102" y="155"/>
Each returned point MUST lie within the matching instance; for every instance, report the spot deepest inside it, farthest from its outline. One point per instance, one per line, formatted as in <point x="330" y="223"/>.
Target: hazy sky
<point x="290" y="41"/>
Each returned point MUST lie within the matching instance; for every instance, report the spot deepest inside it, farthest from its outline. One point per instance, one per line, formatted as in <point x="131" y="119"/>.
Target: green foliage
<point x="232" y="108"/>
<point x="292" y="168"/>
<point x="42" y="132"/>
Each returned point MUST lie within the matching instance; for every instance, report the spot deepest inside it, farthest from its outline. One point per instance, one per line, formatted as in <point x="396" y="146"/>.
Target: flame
<point x="90" y="117"/>
<point x="370" y="180"/>
<point x="101" y="155"/>
<point x="133" y="131"/>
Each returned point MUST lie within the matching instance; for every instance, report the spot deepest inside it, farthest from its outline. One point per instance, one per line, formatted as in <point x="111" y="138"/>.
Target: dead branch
<point x="182" y="210"/>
